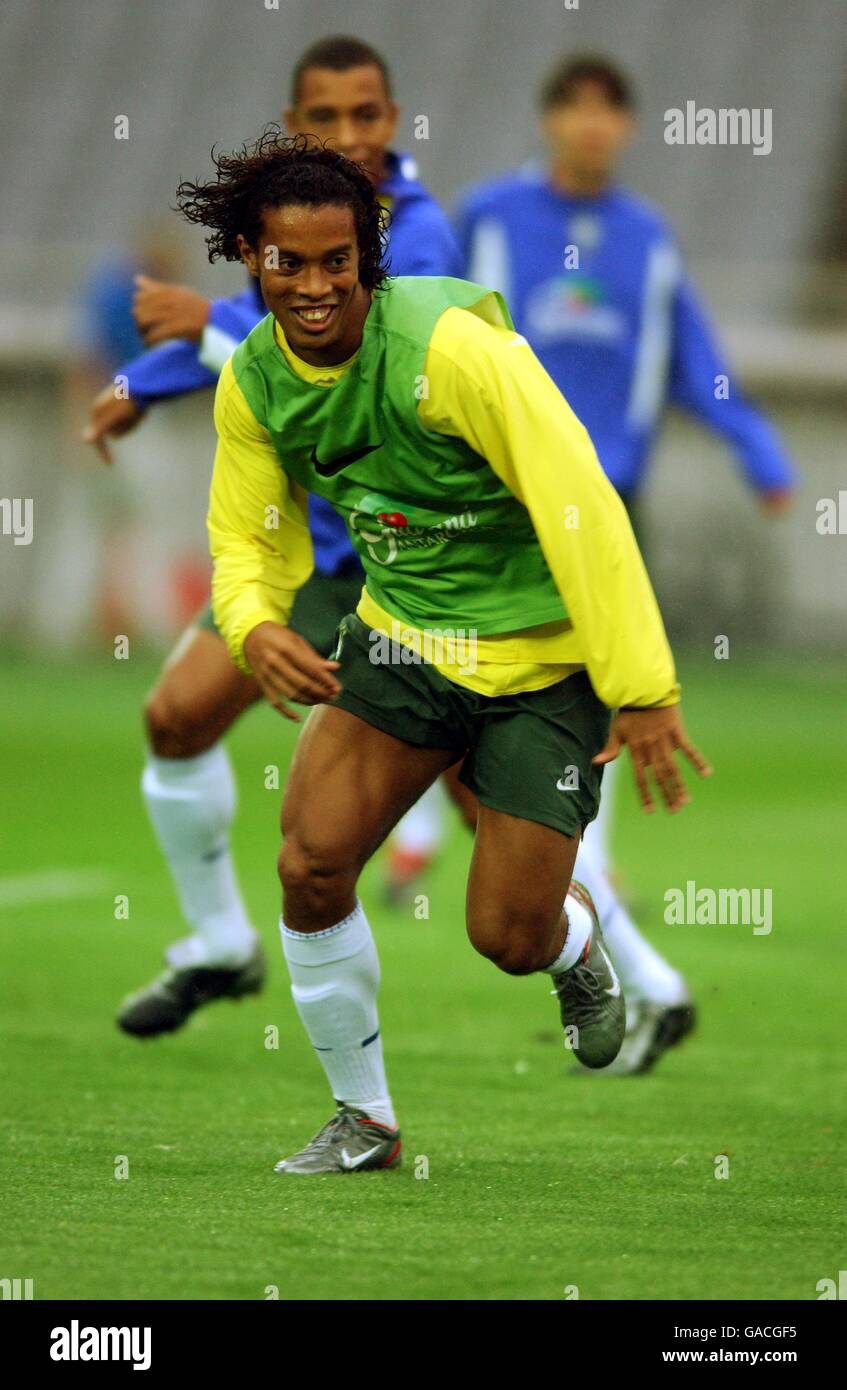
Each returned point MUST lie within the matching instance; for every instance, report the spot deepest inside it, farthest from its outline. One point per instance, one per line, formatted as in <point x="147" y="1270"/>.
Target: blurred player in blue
<point x="595" y="281"/>
<point x="341" y="93"/>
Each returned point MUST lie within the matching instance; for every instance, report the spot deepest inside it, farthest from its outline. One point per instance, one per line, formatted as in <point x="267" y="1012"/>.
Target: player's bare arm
<point x="287" y="667"/>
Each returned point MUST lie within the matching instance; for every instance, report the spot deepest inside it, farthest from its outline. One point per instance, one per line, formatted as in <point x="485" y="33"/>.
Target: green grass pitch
<point x="538" y="1178"/>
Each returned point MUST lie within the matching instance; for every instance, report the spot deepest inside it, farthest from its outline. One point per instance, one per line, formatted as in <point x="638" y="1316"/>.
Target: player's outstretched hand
<point x="110" y="415"/>
<point x="654" y="736"/>
<point x="287" y="667"/>
<point x="164" y="311"/>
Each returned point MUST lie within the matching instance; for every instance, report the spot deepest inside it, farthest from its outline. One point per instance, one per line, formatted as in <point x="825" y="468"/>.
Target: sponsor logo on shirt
<point x="388" y="531"/>
<point x="572" y="306"/>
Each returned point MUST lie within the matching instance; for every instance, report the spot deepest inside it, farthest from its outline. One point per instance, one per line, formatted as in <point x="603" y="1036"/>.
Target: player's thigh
<point x="532" y="757"/>
<point x="519" y="875"/>
<point x="198" y="696"/>
<point x="348" y="786"/>
<point x="531" y="769"/>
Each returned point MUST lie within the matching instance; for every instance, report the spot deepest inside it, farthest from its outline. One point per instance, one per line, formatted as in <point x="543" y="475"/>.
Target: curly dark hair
<point x="276" y="171"/>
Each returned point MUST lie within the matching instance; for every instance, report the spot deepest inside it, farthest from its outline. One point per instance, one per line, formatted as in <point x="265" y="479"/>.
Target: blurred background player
<point x="113" y="574"/>
<point x="595" y="281"/>
<point x="341" y="93"/>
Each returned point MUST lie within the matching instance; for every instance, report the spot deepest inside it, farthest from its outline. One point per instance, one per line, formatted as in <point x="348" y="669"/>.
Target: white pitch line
<point x="52" y="885"/>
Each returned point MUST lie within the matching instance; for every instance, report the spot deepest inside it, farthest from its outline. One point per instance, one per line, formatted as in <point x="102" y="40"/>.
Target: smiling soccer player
<point x="439" y="414"/>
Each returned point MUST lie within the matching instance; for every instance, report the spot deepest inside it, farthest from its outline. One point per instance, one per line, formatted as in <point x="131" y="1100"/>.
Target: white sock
<point x="599" y="832"/>
<point x="643" y="972"/>
<point x="421" y="829"/>
<point x="579" y="934"/>
<point x="334" y="983"/>
<point x="191" y="802"/>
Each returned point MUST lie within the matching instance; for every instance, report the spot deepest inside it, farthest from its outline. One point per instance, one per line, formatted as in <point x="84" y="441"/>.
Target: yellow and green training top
<point x="471" y="493"/>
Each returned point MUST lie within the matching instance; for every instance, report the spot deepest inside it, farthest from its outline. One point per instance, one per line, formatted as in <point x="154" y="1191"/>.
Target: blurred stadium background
<point x="766" y="238"/>
<point x="125" y="552"/>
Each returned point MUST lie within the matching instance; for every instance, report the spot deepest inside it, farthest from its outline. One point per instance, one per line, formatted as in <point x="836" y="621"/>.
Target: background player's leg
<point x="349" y="784"/>
<point x="420" y="831"/>
<point x="645" y="974"/>
<point x="461" y="796"/>
<point x="659" y="1010"/>
<point x="415" y="843"/>
<point x="190" y="794"/>
<point x="599" y="832"/>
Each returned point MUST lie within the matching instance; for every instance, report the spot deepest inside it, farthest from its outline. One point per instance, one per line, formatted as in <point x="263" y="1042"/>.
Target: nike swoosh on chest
<point x="329" y="467"/>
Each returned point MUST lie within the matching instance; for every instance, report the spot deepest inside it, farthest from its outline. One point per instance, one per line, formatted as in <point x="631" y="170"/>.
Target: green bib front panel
<point x="442" y="540"/>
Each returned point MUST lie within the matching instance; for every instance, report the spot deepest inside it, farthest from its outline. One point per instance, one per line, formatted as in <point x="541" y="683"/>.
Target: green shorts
<point x="528" y="755"/>
<point x="318" y="608"/>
